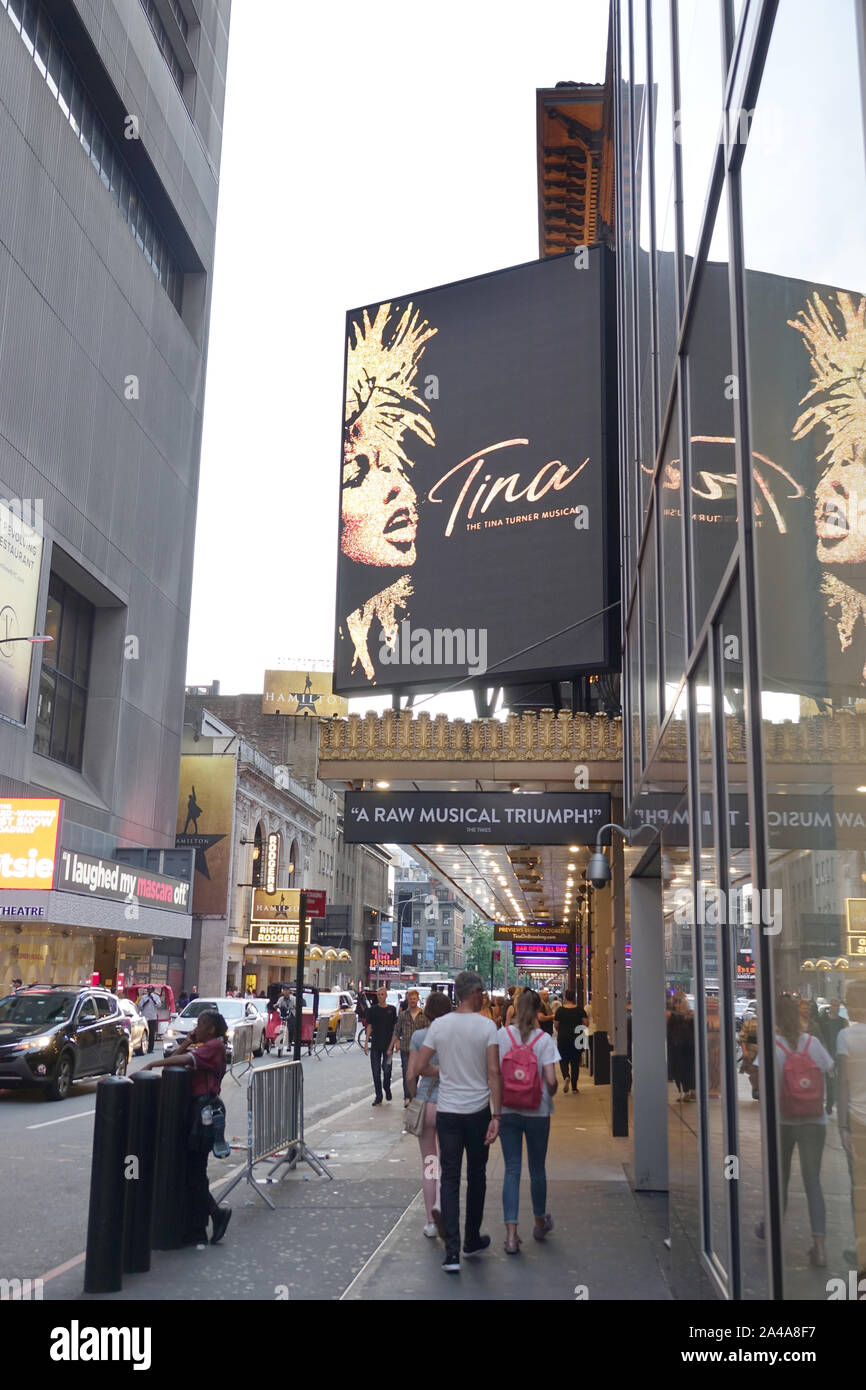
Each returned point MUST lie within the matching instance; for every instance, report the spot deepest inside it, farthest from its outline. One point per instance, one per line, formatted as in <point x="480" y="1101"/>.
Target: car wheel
<point x="142" y="1046"/>
<point x="121" y="1062"/>
<point x="61" y="1085"/>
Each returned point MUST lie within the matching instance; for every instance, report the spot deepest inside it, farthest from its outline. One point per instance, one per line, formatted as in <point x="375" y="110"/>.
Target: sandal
<point x="512" y="1245"/>
<point x="544" y="1228"/>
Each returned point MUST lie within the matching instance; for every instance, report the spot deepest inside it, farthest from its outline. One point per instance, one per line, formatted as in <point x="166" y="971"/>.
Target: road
<point x="45" y="1152"/>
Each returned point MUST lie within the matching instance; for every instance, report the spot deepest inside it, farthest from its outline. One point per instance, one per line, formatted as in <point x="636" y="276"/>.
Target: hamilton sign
<point x="459" y="818"/>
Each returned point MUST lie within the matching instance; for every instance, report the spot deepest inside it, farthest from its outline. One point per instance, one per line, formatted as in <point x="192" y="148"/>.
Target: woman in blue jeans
<point x="534" y="1125"/>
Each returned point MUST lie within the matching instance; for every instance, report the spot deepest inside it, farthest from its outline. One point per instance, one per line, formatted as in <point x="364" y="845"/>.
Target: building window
<point x="62" y="702"/>
<point x="43" y="43"/>
<point x="446" y="938"/>
<point x="160" y="33"/>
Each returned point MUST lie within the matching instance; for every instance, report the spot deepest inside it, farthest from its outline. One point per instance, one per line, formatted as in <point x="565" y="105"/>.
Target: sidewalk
<point x="360" y="1237"/>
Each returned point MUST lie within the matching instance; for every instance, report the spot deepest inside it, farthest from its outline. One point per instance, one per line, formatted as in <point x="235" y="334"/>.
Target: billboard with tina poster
<point x="478" y="506"/>
<point x="205" y="807"/>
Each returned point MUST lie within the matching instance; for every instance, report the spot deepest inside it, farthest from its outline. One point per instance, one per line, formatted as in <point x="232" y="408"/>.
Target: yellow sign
<point x="855" y="909"/>
<point x="28" y="843"/>
<point x="205" y="808"/>
<point x="284" y="905"/>
<point x="302" y="692"/>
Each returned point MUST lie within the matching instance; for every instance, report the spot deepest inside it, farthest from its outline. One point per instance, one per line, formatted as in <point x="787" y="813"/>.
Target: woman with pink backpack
<point x="527" y="1059"/>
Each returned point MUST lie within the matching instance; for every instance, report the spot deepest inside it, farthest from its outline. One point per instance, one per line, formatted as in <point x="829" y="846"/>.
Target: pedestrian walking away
<point x="379" y="1043"/>
<point x="427" y="1090"/>
<point x="527" y="1058"/>
<point x="205" y="1051"/>
<point x="568" y="1020"/>
<point x="409" y="1020"/>
<point x="469" y="1084"/>
<point x="150" y="1005"/>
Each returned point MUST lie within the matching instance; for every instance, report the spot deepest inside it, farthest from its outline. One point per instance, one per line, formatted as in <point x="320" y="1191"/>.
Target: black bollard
<point x="172" y="1159"/>
<point x="103" y="1266"/>
<point x="138" y="1211"/>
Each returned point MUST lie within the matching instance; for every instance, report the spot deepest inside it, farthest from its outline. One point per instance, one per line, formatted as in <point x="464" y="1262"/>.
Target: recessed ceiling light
<point x="439" y="849"/>
<point x="573" y="849"/>
<point x="861" y="789"/>
<point x="571" y="868"/>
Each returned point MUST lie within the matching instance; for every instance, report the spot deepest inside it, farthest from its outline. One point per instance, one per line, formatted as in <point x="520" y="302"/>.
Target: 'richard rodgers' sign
<point x="459" y="818"/>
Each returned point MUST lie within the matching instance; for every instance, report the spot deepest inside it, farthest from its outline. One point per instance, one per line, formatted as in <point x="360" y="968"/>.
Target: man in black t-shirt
<point x="379" y="1043"/>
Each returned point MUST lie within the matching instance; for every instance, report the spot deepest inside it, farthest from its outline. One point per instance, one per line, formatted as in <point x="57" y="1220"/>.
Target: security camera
<point x="598" y="870"/>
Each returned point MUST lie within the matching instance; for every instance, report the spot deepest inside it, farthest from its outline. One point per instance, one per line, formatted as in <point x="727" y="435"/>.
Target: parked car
<point x="234" y="1011"/>
<point x="335" y="1003"/>
<point x="54" y="1035"/>
<point x="138" y="1031"/>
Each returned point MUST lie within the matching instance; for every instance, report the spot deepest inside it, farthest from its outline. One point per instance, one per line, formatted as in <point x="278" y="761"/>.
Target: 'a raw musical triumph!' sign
<point x="460" y="818"/>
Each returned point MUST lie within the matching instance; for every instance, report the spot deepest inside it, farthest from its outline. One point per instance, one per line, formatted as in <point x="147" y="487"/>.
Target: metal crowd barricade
<point x="275" y="1121"/>
<point x="242" y="1049"/>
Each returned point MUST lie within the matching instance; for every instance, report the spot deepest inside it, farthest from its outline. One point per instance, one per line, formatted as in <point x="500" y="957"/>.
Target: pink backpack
<point x="521" y="1082"/>
<point x="802" y="1092"/>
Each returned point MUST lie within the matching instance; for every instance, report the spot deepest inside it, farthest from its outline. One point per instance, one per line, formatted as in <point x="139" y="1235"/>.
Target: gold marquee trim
<point x="548" y="737"/>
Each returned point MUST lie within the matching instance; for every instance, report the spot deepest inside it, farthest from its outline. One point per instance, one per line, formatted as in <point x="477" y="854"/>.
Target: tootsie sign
<point x="459" y="818"/>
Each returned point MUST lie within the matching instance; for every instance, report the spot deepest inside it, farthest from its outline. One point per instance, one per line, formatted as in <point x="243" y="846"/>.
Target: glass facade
<point x="741" y="261"/>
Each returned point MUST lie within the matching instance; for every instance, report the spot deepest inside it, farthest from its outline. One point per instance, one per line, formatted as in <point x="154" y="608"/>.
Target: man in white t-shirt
<point x="469" y="1083"/>
<point x="851" y="1093"/>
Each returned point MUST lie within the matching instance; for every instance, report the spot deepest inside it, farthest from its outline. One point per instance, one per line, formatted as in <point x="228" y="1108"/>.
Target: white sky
<point x="368" y="151"/>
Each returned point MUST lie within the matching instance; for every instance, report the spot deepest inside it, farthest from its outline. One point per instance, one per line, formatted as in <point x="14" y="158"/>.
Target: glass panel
<point x="642" y="222"/>
<point x="60" y="727"/>
<point x="711" y="918"/>
<point x="671" y="568"/>
<point x="65" y="657"/>
<point x="52" y="626"/>
<point x="743" y="1023"/>
<point x="28" y="24"/>
<point x="86" y="124"/>
<point x="55" y="63"/>
<point x="44" y="711"/>
<point x="807" y="360"/>
<point x="627" y="422"/>
<point x="634" y="692"/>
<point x="665" y="223"/>
<point x="84" y="629"/>
<point x="66" y="83"/>
<point x="700" y="114"/>
<point x="649" y="620"/>
<point x="76" y="725"/>
<point x="711" y="458"/>
<point x="43" y="42"/>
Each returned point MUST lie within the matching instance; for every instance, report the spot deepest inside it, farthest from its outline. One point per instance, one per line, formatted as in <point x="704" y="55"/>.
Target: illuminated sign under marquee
<point x="28" y="842"/>
<point x="274" y="933"/>
<point x="455" y="818"/>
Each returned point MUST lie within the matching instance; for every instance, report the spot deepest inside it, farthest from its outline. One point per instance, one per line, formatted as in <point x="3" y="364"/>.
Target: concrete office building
<point x="110" y="135"/>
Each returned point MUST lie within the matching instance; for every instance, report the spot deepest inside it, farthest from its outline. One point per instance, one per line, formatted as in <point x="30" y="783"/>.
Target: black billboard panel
<point x="465" y="818"/>
<point x="478" y="506"/>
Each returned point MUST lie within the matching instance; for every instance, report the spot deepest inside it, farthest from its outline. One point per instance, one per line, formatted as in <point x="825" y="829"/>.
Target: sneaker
<point x="406" y="1102"/>
<point x="439" y="1223"/>
<point x="388" y="1095"/>
<point x="430" y="1231"/>
<point x="220" y="1224"/>
<point x="378" y="1100"/>
<point x="451" y="1263"/>
<point x="479" y="1244"/>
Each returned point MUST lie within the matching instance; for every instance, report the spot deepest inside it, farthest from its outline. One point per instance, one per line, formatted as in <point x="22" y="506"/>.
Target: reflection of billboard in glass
<point x="808" y="422"/>
<point x="20" y="563"/>
<point x="474" y="492"/>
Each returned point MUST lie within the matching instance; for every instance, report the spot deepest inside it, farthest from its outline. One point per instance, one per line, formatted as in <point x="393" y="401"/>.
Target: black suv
<point x="52" y="1035"/>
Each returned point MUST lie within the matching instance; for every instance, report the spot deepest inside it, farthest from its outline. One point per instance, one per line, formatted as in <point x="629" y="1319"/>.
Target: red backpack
<point x="521" y="1082"/>
<point x="802" y="1092"/>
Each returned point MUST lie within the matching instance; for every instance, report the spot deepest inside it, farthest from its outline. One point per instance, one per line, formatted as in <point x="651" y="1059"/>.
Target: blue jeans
<point x="511" y="1131"/>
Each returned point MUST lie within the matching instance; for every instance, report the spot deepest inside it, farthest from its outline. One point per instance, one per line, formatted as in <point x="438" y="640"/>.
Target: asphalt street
<point x="45" y="1153"/>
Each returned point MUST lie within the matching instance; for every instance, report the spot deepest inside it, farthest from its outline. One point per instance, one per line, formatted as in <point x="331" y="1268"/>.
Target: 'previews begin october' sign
<point x="28" y="842"/>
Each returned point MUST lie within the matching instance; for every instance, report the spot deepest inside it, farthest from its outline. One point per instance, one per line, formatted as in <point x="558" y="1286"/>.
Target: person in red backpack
<point x="802" y="1063"/>
<point x="527" y="1061"/>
